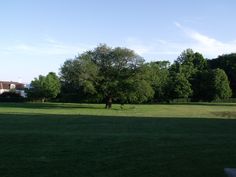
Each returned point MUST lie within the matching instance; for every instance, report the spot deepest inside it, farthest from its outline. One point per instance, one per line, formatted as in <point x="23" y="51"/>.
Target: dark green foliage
<point x="189" y="62"/>
<point x="179" y="86"/>
<point x="199" y="62"/>
<point x="221" y="88"/>
<point x="182" y="74"/>
<point x="141" y="91"/>
<point x="211" y="85"/>
<point x="78" y="78"/>
<point x="191" y="58"/>
<point x="107" y="72"/>
<point x="157" y="74"/>
<point x="120" y="75"/>
<point x="202" y="85"/>
<point x="228" y="64"/>
<point x="44" y="87"/>
<point x="11" y="97"/>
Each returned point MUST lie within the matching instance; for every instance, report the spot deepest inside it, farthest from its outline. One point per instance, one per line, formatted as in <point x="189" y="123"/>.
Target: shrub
<point x="11" y="97"/>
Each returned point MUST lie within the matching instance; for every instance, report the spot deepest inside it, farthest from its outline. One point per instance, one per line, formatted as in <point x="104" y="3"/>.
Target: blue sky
<point x="37" y="36"/>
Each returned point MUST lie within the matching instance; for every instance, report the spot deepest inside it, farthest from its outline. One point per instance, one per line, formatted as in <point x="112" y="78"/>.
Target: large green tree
<point x="221" y="88"/>
<point x="228" y="64"/>
<point x="189" y="62"/>
<point x="182" y="73"/>
<point x="79" y="78"/>
<point x="44" y="87"/>
<point x="202" y="86"/>
<point x="178" y="86"/>
<point x="211" y="85"/>
<point x="190" y="66"/>
<point x="157" y="74"/>
<point x="107" y="73"/>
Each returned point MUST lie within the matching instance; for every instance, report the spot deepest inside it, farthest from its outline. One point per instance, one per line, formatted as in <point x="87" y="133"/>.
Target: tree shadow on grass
<point x="103" y="146"/>
<point x="204" y="104"/>
<point x="227" y="114"/>
<point x="51" y="105"/>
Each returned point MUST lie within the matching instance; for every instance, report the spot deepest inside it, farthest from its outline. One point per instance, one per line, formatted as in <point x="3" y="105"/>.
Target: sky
<point x="38" y="36"/>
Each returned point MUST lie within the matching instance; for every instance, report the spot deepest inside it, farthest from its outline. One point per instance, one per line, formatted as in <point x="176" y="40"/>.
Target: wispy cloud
<point x="138" y="46"/>
<point x="155" y="49"/>
<point x="166" y="49"/>
<point x="207" y="45"/>
<point x="47" y="46"/>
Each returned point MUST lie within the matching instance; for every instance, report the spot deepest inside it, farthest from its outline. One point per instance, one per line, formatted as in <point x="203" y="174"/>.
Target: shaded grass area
<point x="46" y="145"/>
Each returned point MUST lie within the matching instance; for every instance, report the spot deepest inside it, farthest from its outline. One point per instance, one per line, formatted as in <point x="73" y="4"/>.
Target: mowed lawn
<point x="85" y="140"/>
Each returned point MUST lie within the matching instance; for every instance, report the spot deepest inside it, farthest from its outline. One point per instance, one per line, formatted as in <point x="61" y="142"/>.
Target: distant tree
<point x="199" y="62"/>
<point x="106" y="73"/>
<point x="228" y="64"/>
<point x="188" y="65"/>
<point x="189" y="62"/>
<point x="44" y="87"/>
<point x="211" y="85"/>
<point x="202" y="85"/>
<point x="221" y="88"/>
<point x="157" y="74"/>
<point x="135" y="90"/>
<point x="178" y="86"/>
<point x="189" y="57"/>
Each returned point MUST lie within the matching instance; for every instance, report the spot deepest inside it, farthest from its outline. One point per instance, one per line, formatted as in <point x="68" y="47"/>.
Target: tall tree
<point x="211" y="85"/>
<point x="79" y="77"/>
<point x="228" y="64"/>
<point x="189" y="62"/>
<point x="188" y="66"/>
<point x="202" y="86"/>
<point x="157" y="74"/>
<point x="221" y="88"/>
<point x="107" y="73"/>
<point x="178" y="86"/>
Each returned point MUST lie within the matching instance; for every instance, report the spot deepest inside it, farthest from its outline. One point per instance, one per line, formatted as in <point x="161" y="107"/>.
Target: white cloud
<point x="152" y="49"/>
<point x="178" y="24"/>
<point x="47" y="46"/>
<point x="165" y="49"/>
<point x="156" y="49"/>
<point x="209" y="46"/>
<point x="138" y="46"/>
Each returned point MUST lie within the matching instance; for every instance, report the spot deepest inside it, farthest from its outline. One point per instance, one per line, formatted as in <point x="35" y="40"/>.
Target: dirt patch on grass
<point x="228" y="114"/>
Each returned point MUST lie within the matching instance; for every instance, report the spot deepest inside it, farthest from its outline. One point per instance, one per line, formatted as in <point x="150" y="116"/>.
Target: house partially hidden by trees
<point x="6" y="86"/>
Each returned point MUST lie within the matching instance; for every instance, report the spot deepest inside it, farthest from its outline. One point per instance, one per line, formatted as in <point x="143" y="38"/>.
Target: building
<point x="17" y="87"/>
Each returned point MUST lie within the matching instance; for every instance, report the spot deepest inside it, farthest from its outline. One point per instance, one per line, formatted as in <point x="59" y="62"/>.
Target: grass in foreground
<point x="55" y="140"/>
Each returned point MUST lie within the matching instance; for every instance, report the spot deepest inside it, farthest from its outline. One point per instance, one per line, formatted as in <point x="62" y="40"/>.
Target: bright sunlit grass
<point x="204" y="110"/>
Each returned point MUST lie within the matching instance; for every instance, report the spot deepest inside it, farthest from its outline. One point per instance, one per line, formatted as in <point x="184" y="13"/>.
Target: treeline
<point x="108" y="74"/>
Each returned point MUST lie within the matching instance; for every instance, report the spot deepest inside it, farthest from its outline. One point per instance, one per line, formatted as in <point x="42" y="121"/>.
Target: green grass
<point x="200" y="110"/>
<point x="82" y="140"/>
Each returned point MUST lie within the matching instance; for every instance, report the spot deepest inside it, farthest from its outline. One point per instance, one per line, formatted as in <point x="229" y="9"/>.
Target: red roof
<point x="6" y="85"/>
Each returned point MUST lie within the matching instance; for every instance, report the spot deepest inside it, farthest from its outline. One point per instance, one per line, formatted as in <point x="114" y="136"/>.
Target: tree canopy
<point x="221" y="88"/>
<point x="107" y="72"/>
<point x="227" y="63"/>
<point x="44" y="87"/>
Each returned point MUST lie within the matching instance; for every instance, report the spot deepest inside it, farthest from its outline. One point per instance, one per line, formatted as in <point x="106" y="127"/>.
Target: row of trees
<point x="119" y="74"/>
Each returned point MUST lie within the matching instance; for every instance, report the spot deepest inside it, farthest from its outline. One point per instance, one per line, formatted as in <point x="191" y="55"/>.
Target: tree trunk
<point x="108" y="102"/>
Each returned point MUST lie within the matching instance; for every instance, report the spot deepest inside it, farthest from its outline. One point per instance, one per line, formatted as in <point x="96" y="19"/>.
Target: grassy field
<point x="82" y="140"/>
